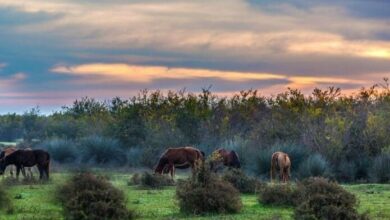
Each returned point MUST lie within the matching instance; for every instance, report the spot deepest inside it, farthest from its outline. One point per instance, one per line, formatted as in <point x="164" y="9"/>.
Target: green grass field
<point x="38" y="202"/>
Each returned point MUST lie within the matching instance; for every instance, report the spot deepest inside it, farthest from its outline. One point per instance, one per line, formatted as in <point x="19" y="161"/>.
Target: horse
<point x="182" y="158"/>
<point x="27" y="158"/>
<point x="281" y="161"/>
<point x="7" y="151"/>
<point x="225" y="157"/>
<point x="167" y="168"/>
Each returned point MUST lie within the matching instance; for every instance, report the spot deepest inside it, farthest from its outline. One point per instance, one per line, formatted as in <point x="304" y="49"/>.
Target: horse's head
<point x="234" y="160"/>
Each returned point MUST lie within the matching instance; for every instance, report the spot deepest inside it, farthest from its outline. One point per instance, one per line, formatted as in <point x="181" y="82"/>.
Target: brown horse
<point x="282" y="162"/>
<point x="227" y="158"/>
<point x="183" y="157"/>
<point x="9" y="150"/>
<point x="27" y="158"/>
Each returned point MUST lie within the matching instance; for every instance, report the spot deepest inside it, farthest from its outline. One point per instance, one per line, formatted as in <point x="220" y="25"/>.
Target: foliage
<point x="241" y="181"/>
<point x="102" y="150"/>
<point x="207" y="193"/>
<point x="135" y="179"/>
<point x="314" y="165"/>
<point x="154" y="181"/>
<point x="346" y="130"/>
<point x="62" y="151"/>
<point x="380" y="171"/>
<point x="278" y="194"/>
<point x="86" y="196"/>
<point x="318" y="198"/>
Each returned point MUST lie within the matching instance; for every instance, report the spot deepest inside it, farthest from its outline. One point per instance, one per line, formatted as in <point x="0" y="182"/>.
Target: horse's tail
<point x="235" y="159"/>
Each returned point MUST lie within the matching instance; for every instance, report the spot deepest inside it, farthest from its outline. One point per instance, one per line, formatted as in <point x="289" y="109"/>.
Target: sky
<point x="55" y="51"/>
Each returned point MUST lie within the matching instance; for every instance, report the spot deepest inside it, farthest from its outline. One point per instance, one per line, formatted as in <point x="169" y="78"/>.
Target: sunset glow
<point x="53" y="52"/>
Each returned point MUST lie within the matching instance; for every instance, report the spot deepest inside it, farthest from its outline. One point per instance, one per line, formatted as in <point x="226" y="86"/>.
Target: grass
<point x="37" y="202"/>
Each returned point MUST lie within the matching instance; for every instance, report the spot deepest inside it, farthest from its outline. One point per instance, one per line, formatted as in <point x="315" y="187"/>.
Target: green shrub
<point x="380" y="170"/>
<point x="278" y="194"/>
<point x="135" y="179"/>
<point x="206" y="193"/>
<point x="86" y="196"/>
<point x="61" y="150"/>
<point x="101" y="150"/>
<point x="155" y="181"/>
<point x="241" y="181"/>
<point x="346" y="171"/>
<point x="314" y="165"/>
<point x="318" y="198"/>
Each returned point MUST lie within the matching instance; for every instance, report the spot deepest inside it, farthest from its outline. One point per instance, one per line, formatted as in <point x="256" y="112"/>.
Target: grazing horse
<point x="7" y="151"/>
<point x="227" y="158"/>
<point x="282" y="162"/>
<point x="27" y="158"/>
<point x="182" y="158"/>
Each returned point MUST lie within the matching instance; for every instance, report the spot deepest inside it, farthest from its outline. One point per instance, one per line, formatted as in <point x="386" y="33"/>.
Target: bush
<point x="241" y="181"/>
<point x="278" y="194"/>
<point x="206" y="193"/>
<point x="135" y="179"/>
<point x="61" y="150"/>
<point x="87" y="196"/>
<point x="102" y="151"/>
<point x="380" y="170"/>
<point x="314" y="165"/>
<point x="156" y="181"/>
<point x="318" y="198"/>
<point x="346" y="171"/>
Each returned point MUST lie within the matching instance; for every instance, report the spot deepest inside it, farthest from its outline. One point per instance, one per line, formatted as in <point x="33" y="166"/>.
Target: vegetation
<point x="278" y="194"/>
<point x="241" y="181"/>
<point x="349" y="132"/>
<point x="37" y="202"/>
<point x="5" y="201"/>
<point x="207" y="193"/>
<point x="86" y="196"/>
<point x="148" y="180"/>
<point x="318" y="198"/>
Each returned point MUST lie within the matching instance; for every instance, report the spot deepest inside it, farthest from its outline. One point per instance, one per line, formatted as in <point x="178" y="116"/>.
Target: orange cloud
<point x="132" y="73"/>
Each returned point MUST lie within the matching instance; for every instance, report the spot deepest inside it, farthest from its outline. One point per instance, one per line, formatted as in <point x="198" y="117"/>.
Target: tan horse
<point x="182" y="157"/>
<point x="282" y="162"/>
<point x="9" y="150"/>
<point x="227" y="158"/>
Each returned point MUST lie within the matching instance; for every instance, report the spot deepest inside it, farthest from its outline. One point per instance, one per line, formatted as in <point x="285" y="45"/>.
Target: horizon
<point x="53" y="53"/>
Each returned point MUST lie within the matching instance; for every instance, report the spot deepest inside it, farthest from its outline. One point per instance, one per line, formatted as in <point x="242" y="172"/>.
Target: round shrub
<point x="318" y="198"/>
<point x="156" y="181"/>
<point x="314" y="165"/>
<point x="206" y="193"/>
<point x="278" y="194"/>
<point x="86" y="196"/>
<point x="61" y="150"/>
<point x="241" y="181"/>
<point x="380" y="170"/>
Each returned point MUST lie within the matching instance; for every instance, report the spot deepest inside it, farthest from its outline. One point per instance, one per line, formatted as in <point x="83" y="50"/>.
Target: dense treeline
<point x="326" y="133"/>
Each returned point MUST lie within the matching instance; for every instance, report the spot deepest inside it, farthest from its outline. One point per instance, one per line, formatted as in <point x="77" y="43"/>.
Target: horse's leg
<point x="17" y="172"/>
<point x="23" y="171"/>
<point x="11" y="172"/>
<point x="47" y="171"/>
<point x="281" y="176"/>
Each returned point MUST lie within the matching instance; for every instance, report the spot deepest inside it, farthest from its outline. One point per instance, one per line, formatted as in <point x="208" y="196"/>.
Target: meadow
<point x="37" y="201"/>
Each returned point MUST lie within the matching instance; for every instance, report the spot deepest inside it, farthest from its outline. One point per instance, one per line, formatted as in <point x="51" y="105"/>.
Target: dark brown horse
<point x="182" y="158"/>
<point x="27" y="158"/>
<point x="9" y="150"/>
<point x="225" y="157"/>
<point x="281" y="161"/>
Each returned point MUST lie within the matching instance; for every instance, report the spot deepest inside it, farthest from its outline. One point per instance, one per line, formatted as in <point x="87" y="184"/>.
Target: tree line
<point x="347" y="132"/>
